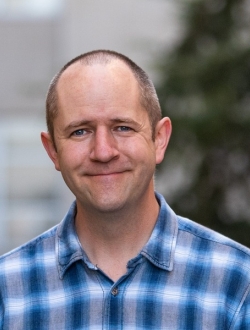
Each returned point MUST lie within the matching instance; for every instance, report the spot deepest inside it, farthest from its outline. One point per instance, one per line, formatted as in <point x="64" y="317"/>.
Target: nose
<point x="104" y="147"/>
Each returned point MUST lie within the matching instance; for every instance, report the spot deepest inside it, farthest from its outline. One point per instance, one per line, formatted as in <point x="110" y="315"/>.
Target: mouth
<point x="105" y="174"/>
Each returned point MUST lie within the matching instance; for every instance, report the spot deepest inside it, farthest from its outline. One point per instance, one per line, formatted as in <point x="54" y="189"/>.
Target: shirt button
<point x="114" y="291"/>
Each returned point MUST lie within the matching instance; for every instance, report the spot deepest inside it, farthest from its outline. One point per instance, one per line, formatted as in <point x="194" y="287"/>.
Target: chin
<point x="107" y="205"/>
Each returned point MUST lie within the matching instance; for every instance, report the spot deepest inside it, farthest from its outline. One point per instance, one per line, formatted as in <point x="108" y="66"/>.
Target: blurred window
<point x="33" y="9"/>
<point x="32" y="193"/>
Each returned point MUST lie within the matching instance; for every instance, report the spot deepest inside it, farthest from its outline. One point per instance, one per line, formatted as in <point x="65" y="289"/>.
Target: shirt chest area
<point x="147" y="297"/>
<point x="136" y="301"/>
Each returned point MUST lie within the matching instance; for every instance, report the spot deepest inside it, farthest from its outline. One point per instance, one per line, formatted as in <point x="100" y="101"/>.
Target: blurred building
<point x="37" y="38"/>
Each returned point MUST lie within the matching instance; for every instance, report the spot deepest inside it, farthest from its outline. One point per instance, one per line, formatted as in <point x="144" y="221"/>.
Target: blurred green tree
<point x="205" y="90"/>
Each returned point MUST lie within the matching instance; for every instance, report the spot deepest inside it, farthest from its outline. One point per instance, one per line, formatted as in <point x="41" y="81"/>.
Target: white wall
<point x="137" y="28"/>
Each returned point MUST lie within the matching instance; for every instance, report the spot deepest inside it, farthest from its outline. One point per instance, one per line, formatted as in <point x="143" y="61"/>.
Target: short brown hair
<point x="149" y="99"/>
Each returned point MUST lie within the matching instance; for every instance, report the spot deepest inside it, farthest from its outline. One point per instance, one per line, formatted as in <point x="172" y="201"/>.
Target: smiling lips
<point x="105" y="174"/>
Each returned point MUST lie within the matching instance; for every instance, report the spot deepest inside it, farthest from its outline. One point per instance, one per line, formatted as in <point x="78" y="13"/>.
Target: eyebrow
<point x="124" y="120"/>
<point x="77" y="123"/>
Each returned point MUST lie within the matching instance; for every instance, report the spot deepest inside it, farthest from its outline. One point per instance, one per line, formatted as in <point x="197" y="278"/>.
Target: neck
<point x="112" y="239"/>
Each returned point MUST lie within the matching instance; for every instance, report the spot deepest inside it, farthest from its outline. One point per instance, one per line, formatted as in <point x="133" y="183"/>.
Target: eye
<point x="79" y="132"/>
<point x="124" y="128"/>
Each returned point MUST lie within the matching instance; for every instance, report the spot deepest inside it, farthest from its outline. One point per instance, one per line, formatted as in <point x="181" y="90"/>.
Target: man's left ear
<point x="163" y="132"/>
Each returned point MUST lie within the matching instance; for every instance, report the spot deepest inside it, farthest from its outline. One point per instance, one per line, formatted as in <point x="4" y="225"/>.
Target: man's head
<point x="148" y="96"/>
<point x="101" y="138"/>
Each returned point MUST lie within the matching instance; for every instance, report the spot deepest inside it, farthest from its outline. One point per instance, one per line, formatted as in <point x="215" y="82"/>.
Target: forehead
<point x="93" y="88"/>
<point x="80" y="77"/>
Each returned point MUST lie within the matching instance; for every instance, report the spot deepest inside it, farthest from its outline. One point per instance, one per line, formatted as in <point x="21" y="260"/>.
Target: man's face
<point x="103" y="137"/>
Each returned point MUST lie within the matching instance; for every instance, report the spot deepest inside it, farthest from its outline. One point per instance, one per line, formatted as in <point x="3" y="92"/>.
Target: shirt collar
<point x="159" y="249"/>
<point x="161" y="245"/>
<point x="68" y="247"/>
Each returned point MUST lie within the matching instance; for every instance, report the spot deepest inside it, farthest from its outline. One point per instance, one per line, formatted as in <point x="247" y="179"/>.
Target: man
<point x="121" y="258"/>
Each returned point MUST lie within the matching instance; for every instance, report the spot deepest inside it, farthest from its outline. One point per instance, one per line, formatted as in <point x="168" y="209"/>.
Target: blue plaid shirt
<point x="186" y="277"/>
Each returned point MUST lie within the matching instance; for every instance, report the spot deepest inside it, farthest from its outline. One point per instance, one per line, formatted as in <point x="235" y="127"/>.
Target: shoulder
<point x="24" y="269"/>
<point x="215" y="264"/>
<point x="28" y="253"/>
<point x="203" y="234"/>
<point x="212" y="248"/>
<point x="199" y="240"/>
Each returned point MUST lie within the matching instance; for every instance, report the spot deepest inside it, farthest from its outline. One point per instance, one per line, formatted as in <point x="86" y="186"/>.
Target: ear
<point x="50" y="148"/>
<point x="163" y="132"/>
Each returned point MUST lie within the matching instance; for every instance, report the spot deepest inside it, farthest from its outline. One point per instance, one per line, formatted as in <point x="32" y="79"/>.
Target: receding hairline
<point x="148" y="97"/>
<point x="103" y="59"/>
<point x="100" y="57"/>
<point x="81" y="62"/>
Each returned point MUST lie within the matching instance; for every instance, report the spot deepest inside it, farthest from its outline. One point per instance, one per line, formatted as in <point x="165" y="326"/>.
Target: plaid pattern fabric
<point x="186" y="277"/>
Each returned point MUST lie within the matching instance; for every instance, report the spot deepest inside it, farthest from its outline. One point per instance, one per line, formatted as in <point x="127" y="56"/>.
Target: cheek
<point x="70" y="157"/>
<point x="144" y="155"/>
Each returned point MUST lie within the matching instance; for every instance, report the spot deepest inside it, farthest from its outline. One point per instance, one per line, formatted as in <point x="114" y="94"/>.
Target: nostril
<point x="104" y="153"/>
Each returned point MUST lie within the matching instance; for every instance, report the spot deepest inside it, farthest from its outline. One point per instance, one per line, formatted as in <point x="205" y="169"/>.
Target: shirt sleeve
<point x="241" y="320"/>
<point x="1" y="312"/>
